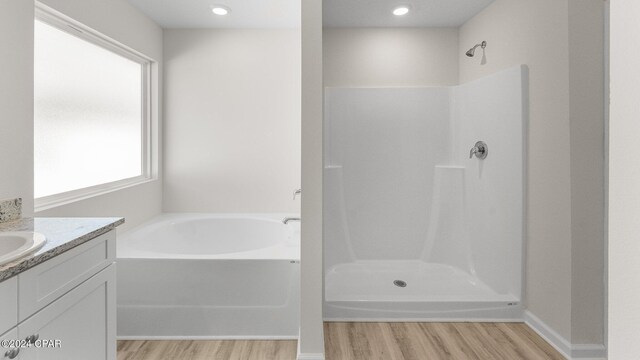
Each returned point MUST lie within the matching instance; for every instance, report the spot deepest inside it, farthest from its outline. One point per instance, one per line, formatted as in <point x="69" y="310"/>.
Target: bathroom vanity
<point x="59" y="302"/>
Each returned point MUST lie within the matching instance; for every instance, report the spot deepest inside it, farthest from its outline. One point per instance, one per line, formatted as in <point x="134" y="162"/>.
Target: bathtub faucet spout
<point x="286" y="220"/>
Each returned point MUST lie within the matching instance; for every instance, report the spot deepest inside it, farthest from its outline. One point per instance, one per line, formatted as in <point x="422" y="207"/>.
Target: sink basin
<point x="16" y="244"/>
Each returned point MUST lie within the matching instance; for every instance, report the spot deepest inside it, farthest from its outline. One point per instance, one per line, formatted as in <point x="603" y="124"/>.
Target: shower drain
<point x="399" y="283"/>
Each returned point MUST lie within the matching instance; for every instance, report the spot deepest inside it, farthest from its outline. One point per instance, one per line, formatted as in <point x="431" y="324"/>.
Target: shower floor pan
<point x="373" y="291"/>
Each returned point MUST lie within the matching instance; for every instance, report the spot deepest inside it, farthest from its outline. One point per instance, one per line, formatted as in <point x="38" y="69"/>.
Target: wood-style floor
<point x="207" y="350"/>
<point x="435" y="341"/>
<point x="368" y="341"/>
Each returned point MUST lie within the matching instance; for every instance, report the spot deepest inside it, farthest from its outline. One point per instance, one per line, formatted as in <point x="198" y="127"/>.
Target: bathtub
<point x="209" y="276"/>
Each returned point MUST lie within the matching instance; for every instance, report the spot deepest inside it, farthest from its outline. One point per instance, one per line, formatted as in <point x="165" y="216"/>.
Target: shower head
<point x="472" y="51"/>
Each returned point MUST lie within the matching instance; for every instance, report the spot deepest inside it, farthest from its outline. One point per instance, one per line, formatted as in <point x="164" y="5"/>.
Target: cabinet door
<point x="82" y="321"/>
<point x="8" y="353"/>
<point x="8" y="304"/>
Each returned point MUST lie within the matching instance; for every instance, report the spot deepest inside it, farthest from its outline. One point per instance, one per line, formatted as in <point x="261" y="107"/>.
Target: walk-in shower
<point x="423" y="200"/>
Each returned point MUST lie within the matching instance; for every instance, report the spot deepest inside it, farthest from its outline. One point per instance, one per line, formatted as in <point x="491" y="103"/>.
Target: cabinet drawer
<point x="50" y="280"/>
<point x="8" y="304"/>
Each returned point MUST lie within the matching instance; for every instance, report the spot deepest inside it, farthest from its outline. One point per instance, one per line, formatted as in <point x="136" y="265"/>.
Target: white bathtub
<point x="209" y="276"/>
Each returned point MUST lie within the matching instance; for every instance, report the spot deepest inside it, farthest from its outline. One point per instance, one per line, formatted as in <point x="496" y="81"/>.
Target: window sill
<point x="70" y="197"/>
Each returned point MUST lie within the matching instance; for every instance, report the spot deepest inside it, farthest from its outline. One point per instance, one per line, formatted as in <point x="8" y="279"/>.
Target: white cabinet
<point x="66" y="305"/>
<point x="78" y="326"/>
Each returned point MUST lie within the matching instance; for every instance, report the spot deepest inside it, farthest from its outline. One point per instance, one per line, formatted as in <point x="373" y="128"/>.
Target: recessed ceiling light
<point x="401" y="10"/>
<point x="220" y="10"/>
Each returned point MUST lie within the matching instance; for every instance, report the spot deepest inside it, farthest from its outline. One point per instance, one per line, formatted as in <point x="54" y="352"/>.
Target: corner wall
<point x="125" y="24"/>
<point x="311" y="340"/>
<point x="587" y="101"/>
<point x="535" y="33"/>
<point x="565" y="210"/>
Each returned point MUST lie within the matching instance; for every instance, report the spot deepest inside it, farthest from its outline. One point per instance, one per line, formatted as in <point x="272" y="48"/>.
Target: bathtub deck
<point x="368" y="341"/>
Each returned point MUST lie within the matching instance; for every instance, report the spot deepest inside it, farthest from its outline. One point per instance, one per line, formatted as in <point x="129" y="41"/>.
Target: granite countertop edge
<point x="60" y="246"/>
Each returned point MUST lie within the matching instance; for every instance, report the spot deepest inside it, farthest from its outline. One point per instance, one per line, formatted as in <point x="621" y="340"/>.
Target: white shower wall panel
<point x="384" y="146"/>
<point x="493" y="109"/>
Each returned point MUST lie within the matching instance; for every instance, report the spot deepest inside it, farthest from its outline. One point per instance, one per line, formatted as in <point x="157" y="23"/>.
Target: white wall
<point x="624" y="183"/>
<point x="311" y="340"/>
<point x="122" y="22"/>
<point x="380" y="57"/>
<point x="16" y="102"/>
<point x="561" y="42"/>
<point x="232" y="102"/>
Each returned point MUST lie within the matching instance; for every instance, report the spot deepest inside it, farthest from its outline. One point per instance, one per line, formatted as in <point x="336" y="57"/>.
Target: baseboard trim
<point x="423" y="320"/>
<point x="547" y="333"/>
<point x="588" y="352"/>
<point x="564" y="347"/>
<point x="308" y="356"/>
<point x="206" y="337"/>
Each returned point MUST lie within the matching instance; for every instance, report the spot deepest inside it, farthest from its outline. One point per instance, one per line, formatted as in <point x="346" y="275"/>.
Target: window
<point x="91" y="114"/>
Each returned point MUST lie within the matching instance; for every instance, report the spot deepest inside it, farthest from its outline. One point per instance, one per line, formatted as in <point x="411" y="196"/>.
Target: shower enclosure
<point x="418" y="226"/>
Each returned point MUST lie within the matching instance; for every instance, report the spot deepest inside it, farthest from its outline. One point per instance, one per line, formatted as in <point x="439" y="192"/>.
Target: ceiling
<point x="377" y="13"/>
<point x="286" y="13"/>
<point x="190" y="14"/>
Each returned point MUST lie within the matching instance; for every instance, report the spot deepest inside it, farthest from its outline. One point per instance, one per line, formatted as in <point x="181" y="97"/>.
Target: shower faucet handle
<point x="296" y="193"/>
<point x="474" y="150"/>
<point x="480" y="150"/>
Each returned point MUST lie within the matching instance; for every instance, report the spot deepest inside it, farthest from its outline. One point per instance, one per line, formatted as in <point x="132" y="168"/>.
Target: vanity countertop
<point x="62" y="234"/>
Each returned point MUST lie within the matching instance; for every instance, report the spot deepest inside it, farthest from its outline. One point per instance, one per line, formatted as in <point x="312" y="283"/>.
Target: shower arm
<point x="472" y="51"/>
